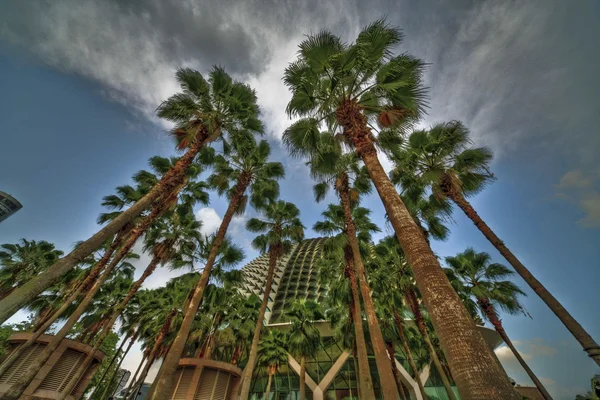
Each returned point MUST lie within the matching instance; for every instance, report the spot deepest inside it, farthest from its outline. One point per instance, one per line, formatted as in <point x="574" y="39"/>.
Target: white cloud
<point x="583" y="189"/>
<point x="210" y="220"/>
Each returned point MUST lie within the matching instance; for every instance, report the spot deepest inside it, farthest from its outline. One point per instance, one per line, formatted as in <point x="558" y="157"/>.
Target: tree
<point x="23" y="261"/>
<point x="281" y="228"/>
<point x="246" y="163"/>
<point x="483" y="282"/>
<point x="272" y="354"/>
<point x="347" y="229"/>
<point x="349" y="88"/>
<point x="172" y="236"/>
<point x="304" y="339"/>
<point x="204" y="112"/>
<point x="443" y="159"/>
<point x="390" y="255"/>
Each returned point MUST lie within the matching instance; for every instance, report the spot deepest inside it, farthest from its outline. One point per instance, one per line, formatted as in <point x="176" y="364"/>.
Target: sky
<point x="80" y="81"/>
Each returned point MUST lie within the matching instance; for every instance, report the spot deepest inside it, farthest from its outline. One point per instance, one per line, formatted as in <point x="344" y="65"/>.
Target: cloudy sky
<point x="81" y="79"/>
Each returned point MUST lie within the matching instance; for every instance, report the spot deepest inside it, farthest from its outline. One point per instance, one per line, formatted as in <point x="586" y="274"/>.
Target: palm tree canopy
<point x="22" y="261"/>
<point x="334" y="225"/>
<point x="218" y="105"/>
<point x="474" y="276"/>
<point x="442" y="155"/>
<point x="280" y="224"/>
<point x="247" y="160"/>
<point x="272" y="350"/>
<point x="304" y="338"/>
<point x="329" y="74"/>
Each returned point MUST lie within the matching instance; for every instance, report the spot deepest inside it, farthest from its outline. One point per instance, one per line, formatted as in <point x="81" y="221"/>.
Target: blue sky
<point x="80" y="81"/>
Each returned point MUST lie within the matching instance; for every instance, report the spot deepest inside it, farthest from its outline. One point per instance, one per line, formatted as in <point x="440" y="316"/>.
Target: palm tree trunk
<point x="174" y="177"/>
<point x="157" y="343"/>
<point x="17" y="389"/>
<point x="386" y="375"/>
<point x="268" y="390"/>
<point x="581" y="335"/>
<point x="364" y="379"/>
<point x="236" y="354"/>
<point x="409" y="357"/>
<point x="169" y="366"/>
<point x="414" y="306"/>
<point x="107" y="327"/>
<point x="493" y="318"/>
<point x="302" y="378"/>
<point x="107" y="370"/>
<point x="116" y="371"/>
<point x="397" y="378"/>
<point x="274" y="252"/>
<point x="477" y="371"/>
<point x="134" y="379"/>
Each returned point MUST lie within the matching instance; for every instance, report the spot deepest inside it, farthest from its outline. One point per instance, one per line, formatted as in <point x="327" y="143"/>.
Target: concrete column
<point x="411" y="384"/>
<point x="319" y="392"/>
<point x="295" y="366"/>
<point x="424" y="376"/>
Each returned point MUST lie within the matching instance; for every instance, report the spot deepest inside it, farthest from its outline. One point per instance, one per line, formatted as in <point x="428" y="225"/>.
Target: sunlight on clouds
<point x="582" y="189"/>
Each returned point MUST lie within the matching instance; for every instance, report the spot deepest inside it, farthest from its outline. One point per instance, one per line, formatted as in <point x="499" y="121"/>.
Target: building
<point x="123" y="376"/>
<point x="8" y="205"/>
<point x="332" y="374"/>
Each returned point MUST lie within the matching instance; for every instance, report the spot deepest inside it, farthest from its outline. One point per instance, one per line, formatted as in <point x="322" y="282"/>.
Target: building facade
<point x="8" y="205"/>
<point x="332" y="374"/>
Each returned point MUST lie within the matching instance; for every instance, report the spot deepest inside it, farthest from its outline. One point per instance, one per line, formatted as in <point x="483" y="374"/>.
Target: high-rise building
<point x="8" y="205"/>
<point x="332" y="373"/>
<point x="123" y="376"/>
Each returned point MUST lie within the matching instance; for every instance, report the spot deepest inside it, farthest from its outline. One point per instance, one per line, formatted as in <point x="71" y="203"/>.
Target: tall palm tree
<point x="17" y="389"/>
<point x="246" y="163"/>
<point x="242" y="321"/>
<point x="347" y="88"/>
<point x="174" y="235"/>
<point x="272" y="354"/>
<point x="347" y="231"/>
<point x="281" y="228"/>
<point x="443" y="159"/>
<point x="390" y="255"/>
<point x="484" y="283"/>
<point x="23" y="261"/>
<point x="304" y="340"/>
<point x="204" y="112"/>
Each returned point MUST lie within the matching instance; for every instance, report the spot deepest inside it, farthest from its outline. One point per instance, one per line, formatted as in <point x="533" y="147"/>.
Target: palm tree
<point x="272" y="354"/>
<point x="174" y="235"/>
<point x="347" y="88"/>
<point x="281" y="228"/>
<point x="483" y="282"/>
<point x="347" y="230"/>
<point x="390" y="255"/>
<point x="304" y="339"/>
<point x="245" y="162"/>
<point x="23" y="261"/>
<point x="443" y="159"/>
<point x="204" y="112"/>
<point x="242" y="321"/>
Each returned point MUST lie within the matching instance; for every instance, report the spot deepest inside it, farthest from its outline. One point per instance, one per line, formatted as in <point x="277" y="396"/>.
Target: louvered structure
<point x="56" y="373"/>
<point x="202" y="379"/>
<point x="296" y="277"/>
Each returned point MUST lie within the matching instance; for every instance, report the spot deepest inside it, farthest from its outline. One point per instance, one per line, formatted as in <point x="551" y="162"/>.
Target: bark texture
<point x="268" y="390"/>
<point x="476" y="369"/>
<point x="24" y="294"/>
<point x="303" y="378"/>
<point x="274" y="254"/>
<point x="397" y="377"/>
<point x="494" y="320"/>
<point x="365" y="381"/>
<point x="590" y="346"/>
<point x="169" y="366"/>
<point x="107" y="327"/>
<point x="386" y="375"/>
